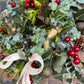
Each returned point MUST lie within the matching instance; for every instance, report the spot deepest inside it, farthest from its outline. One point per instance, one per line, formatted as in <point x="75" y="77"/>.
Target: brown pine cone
<point x="40" y="13"/>
<point x="80" y="43"/>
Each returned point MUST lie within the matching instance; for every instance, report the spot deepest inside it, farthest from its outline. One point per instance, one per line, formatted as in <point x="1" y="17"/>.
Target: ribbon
<point x="27" y="70"/>
<point x="9" y="59"/>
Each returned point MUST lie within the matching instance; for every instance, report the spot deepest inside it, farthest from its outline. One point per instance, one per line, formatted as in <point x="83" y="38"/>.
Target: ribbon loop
<point x="27" y="70"/>
<point x="9" y="59"/>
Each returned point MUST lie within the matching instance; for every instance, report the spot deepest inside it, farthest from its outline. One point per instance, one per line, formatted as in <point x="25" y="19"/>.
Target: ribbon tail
<point x="26" y="79"/>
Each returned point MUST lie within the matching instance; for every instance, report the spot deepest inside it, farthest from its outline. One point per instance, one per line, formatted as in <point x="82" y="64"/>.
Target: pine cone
<point x="80" y="43"/>
<point x="25" y="43"/>
<point x="40" y="13"/>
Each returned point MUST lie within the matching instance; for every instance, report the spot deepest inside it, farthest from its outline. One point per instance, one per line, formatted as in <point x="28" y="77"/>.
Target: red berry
<point x="33" y="65"/>
<point x="73" y="46"/>
<point x="31" y="81"/>
<point x="68" y="52"/>
<point x="30" y="77"/>
<point x="9" y="3"/>
<point x="32" y="4"/>
<point x="28" y="1"/>
<point x="13" y="4"/>
<point x="76" y="56"/>
<point x="1" y="29"/>
<point x="77" y="49"/>
<point x="72" y="53"/>
<point x="2" y="56"/>
<point x="27" y="5"/>
<point x="67" y="39"/>
<point x="76" y="61"/>
<point x="58" y="1"/>
<point x="2" y="51"/>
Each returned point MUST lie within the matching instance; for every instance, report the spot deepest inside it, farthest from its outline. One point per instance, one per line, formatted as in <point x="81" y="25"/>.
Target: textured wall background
<point x="2" y="5"/>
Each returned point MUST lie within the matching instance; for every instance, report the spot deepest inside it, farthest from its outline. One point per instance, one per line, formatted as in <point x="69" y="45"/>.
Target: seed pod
<point x="46" y="45"/>
<point x="52" y="33"/>
<point x="58" y="29"/>
<point x="80" y="26"/>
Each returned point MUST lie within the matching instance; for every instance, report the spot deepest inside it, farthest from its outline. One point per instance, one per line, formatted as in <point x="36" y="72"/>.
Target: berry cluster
<point x="73" y="51"/>
<point x="13" y="4"/>
<point x="2" y="56"/>
<point x="30" y="77"/>
<point x="30" y="4"/>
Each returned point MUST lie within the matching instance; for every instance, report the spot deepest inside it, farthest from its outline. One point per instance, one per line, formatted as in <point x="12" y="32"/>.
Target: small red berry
<point x="2" y="51"/>
<point x="13" y="4"/>
<point x="72" y="53"/>
<point x="27" y="5"/>
<point x="2" y="56"/>
<point x="67" y="39"/>
<point x="30" y="77"/>
<point x="73" y="46"/>
<point x="58" y="1"/>
<point x="76" y="56"/>
<point x="9" y="3"/>
<point x="32" y="4"/>
<point x="1" y="29"/>
<point x="33" y="65"/>
<point x="31" y="81"/>
<point x="28" y="1"/>
<point x="68" y="52"/>
<point x="77" y="49"/>
<point x="76" y="61"/>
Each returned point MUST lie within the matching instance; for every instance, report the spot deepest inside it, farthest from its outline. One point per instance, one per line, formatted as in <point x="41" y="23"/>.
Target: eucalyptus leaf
<point x="8" y="46"/>
<point x="60" y="60"/>
<point x="80" y="1"/>
<point x="9" y="10"/>
<point x="21" y="54"/>
<point x="53" y="6"/>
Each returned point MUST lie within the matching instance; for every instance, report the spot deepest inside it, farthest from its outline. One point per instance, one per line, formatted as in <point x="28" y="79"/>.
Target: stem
<point x="71" y="46"/>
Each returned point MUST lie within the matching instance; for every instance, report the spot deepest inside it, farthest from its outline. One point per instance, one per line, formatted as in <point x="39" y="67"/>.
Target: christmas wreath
<point x="42" y="38"/>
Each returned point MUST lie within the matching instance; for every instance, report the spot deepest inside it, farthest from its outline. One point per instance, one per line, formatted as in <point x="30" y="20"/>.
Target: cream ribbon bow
<point x="27" y="70"/>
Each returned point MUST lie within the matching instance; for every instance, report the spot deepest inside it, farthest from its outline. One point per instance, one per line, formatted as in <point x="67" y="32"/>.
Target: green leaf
<point x="53" y="6"/>
<point x="57" y="38"/>
<point x="66" y="30"/>
<point x="58" y="63"/>
<point x="80" y="1"/>
<point x="79" y="15"/>
<point x="32" y="15"/>
<point x="81" y="79"/>
<point x="21" y="54"/>
<point x="14" y="75"/>
<point x="14" y="81"/>
<point x="9" y="10"/>
<point x="69" y="80"/>
<point x="37" y="49"/>
<point x="1" y="77"/>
